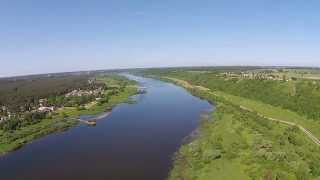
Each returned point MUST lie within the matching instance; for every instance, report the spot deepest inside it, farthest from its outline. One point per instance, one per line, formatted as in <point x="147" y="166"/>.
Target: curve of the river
<point x="136" y="141"/>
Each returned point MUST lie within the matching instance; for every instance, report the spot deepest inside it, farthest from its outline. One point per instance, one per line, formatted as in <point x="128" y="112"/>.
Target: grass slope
<point x="239" y="144"/>
<point x="259" y="107"/>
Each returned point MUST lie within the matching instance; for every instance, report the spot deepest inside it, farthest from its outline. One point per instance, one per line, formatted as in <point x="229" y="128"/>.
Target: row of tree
<point x="301" y="96"/>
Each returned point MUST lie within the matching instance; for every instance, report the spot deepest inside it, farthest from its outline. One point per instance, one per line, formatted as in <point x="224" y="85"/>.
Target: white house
<point x="46" y="109"/>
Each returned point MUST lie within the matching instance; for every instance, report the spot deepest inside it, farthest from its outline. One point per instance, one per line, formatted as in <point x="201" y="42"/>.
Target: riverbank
<point x="242" y="144"/>
<point x="126" y="145"/>
<point x="268" y="112"/>
<point x="63" y="119"/>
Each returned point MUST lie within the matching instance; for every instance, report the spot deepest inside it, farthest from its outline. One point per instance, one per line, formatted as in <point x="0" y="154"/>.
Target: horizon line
<point x="158" y="67"/>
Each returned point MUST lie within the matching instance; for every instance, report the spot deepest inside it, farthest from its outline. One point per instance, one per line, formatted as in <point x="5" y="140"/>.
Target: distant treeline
<point x="302" y="96"/>
<point x="25" y="93"/>
<point x="234" y="69"/>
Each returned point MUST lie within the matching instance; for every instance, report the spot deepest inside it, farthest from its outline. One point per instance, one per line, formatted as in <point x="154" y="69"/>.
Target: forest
<point x="20" y="95"/>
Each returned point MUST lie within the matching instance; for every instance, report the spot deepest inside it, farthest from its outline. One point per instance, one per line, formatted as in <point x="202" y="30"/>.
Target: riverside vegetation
<point x="27" y="124"/>
<point x="240" y="141"/>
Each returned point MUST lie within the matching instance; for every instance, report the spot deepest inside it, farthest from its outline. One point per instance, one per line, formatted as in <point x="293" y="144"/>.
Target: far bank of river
<point x="136" y="141"/>
<point x="61" y="120"/>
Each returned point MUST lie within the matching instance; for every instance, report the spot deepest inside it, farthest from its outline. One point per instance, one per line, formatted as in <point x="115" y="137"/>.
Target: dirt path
<point x="304" y="130"/>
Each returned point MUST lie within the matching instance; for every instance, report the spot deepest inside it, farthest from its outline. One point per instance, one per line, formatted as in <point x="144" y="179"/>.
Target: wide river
<point x="135" y="142"/>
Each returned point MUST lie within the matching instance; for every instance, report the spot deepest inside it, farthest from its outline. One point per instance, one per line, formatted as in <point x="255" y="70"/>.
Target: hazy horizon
<point x="58" y="36"/>
<point x="110" y="69"/>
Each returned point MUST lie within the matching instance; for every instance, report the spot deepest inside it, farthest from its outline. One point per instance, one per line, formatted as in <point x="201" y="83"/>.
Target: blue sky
<point x="38" y="36"/>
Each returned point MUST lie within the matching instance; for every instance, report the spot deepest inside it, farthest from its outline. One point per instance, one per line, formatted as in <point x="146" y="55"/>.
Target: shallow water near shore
<point x="135" y="141"/>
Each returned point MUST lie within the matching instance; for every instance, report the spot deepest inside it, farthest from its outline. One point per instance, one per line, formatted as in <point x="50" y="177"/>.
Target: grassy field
<point x="273" y="111"/>
<point x="64" y="118"/>
<point x="260" y="107"/>
<point x="301" y="73"/>
<point x="240" y="144"/>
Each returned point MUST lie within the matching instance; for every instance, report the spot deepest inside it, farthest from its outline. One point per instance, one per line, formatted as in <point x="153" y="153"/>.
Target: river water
<point x="135" y="142"/>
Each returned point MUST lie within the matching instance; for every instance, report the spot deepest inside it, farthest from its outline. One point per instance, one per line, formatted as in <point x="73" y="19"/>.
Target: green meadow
<point x="235" y="143"/>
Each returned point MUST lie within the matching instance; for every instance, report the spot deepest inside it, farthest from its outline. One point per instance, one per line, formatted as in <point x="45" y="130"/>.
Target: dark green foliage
<point x="11" y="124"/>
<point x="277" y="152"/>
<point x="26" y="92"/>
<point x="301" y="96"/>
<point x="64" y="115"/>
<point x="27" y="118"/>
<point x="31" y="116"/>
<point x="104" y="100"/>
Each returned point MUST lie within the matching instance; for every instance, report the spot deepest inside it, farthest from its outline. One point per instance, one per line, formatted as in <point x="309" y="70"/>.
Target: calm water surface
<point x="136" y="142"/>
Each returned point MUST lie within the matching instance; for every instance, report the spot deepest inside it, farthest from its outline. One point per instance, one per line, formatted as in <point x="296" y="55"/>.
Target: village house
<point x="91" y="81"/>
<point x="245" y="75"/>
<point x="4" y="108"/>
<point x="271" y="77"/>
<point x="230" y="75"/>
<point x="3" y="112"/>
<point x="2" y="119"/>
<point x="9" y="114"/>
<point x="80" y="93"/>
<point x="43" y="102"/>
<point x="46" y="109"/>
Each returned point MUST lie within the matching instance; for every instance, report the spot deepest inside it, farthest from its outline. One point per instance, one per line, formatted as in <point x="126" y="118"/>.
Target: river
<point x="135" y="142"/>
